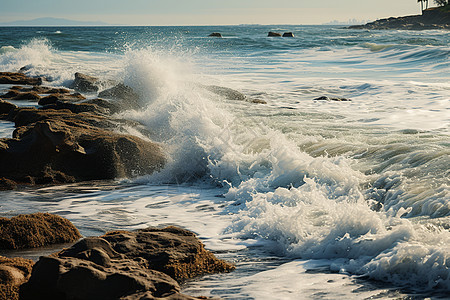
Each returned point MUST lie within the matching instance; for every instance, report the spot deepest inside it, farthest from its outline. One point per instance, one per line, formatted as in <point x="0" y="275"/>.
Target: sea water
<point x="311" y="199"/>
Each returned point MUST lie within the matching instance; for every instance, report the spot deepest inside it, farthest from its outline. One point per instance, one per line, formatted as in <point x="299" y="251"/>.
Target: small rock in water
<point x="288" y="34"/>
<point x="216" y="34"/>
<point x="274" y="34"/>
<point x="326" y="98"/>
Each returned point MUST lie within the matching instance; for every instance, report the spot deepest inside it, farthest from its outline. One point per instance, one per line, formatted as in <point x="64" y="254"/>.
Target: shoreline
<point x="432" y="18"/>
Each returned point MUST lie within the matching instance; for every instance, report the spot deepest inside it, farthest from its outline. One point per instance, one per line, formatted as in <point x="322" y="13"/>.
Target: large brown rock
<point x="172" y="250"/>
<point x="18" y="78"/>
<point x="13" y="273"/>
<point x="36" y="230"/>
<point x="68" y="145"/>
<point x="123" y="265"/>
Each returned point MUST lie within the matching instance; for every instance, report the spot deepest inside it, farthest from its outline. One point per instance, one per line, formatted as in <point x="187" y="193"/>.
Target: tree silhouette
<point x="441" y="2"/>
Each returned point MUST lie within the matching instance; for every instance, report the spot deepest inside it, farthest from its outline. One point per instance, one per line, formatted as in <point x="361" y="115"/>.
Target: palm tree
<point x="421" y="4"/>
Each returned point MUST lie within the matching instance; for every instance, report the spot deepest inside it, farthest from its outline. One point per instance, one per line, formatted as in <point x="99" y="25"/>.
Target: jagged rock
<point x="110" y="106"/>
<point x="13" y="273"/>
<point x="288" y="34"/>
<point x="225" y="92"/>
<point x="18" y="78"/>
<point x="326" y="98"/>
<point x="122" y="265"/>
<point x="127" y="96"/>
<point x="273" y="34"/>
<point x="84" y="83"/>
<point x="215" y="34"/>
<point x="36" y="230"/>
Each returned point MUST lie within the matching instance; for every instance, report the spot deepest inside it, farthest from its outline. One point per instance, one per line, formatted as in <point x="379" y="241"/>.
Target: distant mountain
<point x="52" y="22"/>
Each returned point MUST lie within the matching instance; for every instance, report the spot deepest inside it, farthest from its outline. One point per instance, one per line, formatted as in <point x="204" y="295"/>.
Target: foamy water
<point x="313" y="198"/>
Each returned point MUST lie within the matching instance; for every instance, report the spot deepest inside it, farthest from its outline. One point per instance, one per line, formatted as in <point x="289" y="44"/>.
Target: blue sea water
<point x="312" y="199"/>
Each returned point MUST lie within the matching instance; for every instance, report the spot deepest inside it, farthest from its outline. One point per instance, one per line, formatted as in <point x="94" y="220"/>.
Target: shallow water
<point x="312" y="198"/>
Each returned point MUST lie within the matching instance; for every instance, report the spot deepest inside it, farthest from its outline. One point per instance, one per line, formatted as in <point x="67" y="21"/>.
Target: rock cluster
<point x="277" y="34"/>
<point x="145" y="264"/>
<point x="68" y="141"/>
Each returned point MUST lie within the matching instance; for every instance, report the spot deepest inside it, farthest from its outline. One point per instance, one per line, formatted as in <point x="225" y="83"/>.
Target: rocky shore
<point x="67" y="138"/>
<point x="144" y="264"/>
<point x="433" y="18"/>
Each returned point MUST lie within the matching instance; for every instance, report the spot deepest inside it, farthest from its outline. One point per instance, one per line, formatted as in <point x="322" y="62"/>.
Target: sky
<point x="206" y="12"/>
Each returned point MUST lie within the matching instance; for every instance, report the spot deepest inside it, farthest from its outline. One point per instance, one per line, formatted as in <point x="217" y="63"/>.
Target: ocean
<point x="311" y="199"/>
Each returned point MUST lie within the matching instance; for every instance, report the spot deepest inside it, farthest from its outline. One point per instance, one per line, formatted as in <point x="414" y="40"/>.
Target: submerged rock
<point x="225" y="92"/>
<point x="123" y="265"/>
<point x="274" y="34"/>
<point x="18" y="78"/>
<point x="215" y="34"/>
<point x="326" y="98"/>
<point x="288" y="34"/>
<point x="36" y="230"/>
<point x="13" y="273"/>
<point x="128" y="98"/>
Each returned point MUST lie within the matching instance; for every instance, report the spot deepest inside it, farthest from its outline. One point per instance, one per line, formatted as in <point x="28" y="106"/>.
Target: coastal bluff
<point x="433" y="18"/>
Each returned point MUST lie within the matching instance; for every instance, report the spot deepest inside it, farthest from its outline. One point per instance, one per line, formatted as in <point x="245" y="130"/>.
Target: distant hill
<point x="52" y="22"/>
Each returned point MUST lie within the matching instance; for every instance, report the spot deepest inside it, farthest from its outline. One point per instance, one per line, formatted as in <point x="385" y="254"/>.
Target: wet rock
<point x="15" y="95"/>
<point x="326" y="98"/>
<point x="109" y="106"/>
<point x="288" y="34"/>
<point x="123" y="265"/>
<point x="257" y="101"/>
<point x="6" y="107"/>
<point x="18" y="78"/>
<point x="215" y="34"/>
<point x="40" y="90"/>
<point x="36" y="230"/>
<point x="225" y="92"/>
<point x="68" y="145"/>
<point x="274" y="34"/>
<point x="127" y="96"/>
<point x="53" y="98"/>
<point x="84" y="83"/>
<point x="6" y="184"/>
<point x="13" y="273"/>
<point x="172" y="250"/>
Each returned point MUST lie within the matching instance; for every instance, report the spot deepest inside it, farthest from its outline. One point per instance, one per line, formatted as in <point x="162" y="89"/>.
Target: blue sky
<point x="206" y="12"/>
